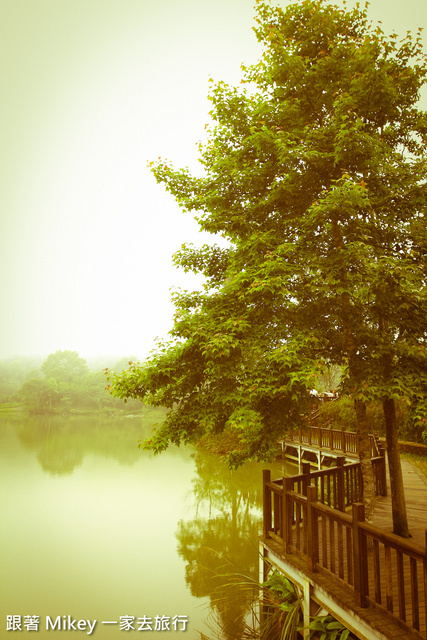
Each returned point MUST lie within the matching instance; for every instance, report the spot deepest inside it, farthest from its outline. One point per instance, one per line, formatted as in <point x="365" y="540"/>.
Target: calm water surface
<point x="95" y="529"/>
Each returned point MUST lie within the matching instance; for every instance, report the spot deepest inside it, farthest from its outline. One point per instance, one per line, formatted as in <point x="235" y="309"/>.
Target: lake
<point x="94" y="529"/>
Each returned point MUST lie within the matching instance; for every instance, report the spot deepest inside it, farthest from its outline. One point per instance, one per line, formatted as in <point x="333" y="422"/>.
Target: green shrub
<point x="327" y="628"/>
<point x="341" y="415"/>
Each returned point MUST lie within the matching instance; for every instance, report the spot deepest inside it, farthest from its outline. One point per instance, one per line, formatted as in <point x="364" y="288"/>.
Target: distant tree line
<point x="61" y="383"/>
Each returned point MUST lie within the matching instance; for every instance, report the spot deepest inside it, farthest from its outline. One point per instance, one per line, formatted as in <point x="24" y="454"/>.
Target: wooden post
<point x="306" y="470"/>
<point x="340" y="483"/>
<point x="312" y="530"/>
<point x="331" y="438"/>
<point x="360" y="557"/>
<point x="343" y="440"/>
<point x="266" y="506"/>
<point x="319" y="436"/>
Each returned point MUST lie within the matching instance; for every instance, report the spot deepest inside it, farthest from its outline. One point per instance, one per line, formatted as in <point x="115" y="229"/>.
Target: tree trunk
<point x="398" y="503"/>
<point x="365" y="459"/>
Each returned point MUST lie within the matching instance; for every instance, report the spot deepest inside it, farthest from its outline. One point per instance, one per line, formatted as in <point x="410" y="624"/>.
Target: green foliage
<point x="340" y="414"/>
<point x="282" y="587"/>
<point x="327" y="628"/>
<point x="315" y="174"/>
<point x="272" y="609"/>
<point x="329" y="378"/>
<point x="416" y="421"/>
<point x="66" y="386"/>
<point x="64" y="366"/>
<point x="280" y="602"/>
<point x="13" y="373"/>
<point x="283" y="608"/>
<point x="38" y="395"/>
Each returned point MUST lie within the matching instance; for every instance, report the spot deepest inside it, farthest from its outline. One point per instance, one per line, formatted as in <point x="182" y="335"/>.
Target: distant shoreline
<point x="17" y="407"/>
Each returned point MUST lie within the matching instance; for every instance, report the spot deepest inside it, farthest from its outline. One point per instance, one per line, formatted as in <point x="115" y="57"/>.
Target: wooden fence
<point x="334" y="439"/>
<point x="306" y="515"/>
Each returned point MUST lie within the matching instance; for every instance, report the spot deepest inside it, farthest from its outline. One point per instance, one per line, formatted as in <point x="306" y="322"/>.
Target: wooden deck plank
<point x="416" y="504"/>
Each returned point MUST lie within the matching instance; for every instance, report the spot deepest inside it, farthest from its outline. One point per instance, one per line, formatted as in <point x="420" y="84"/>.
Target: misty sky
<point x="92" y="90"/>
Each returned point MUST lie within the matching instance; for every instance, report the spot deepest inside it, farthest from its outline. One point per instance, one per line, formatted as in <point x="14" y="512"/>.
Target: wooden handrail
<point x="337" y="543"/>
<point x="332" y="439"/>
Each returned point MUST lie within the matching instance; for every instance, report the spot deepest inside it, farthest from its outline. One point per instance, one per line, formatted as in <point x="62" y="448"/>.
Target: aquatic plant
<point x="272" y="611"/>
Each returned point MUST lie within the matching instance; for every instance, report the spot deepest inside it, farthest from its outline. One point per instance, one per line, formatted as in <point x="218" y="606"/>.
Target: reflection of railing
<point x="333" y="439"/>
<point x="306" y="515"/>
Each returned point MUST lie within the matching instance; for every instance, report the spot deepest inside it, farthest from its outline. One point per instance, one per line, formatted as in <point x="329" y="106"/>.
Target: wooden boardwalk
<point x="416" y="503"/>
<point x="416" y="507"/>
<point x="392" y="576"/>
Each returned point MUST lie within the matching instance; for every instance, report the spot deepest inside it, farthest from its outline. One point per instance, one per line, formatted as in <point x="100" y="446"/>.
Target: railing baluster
<point x="286" y="524"/>
<point x="350" y="576"/>
<point x="340" y="551"/>
<point x="340" y="484"/>
<point x="312" y="530"/>
<point x="377" y="576"/>
<point x="332" y="543"/>
<point x="360" y="557"/>
<point x="388" y="578"/>
<point x="277" y="525"/>
<point x="306" y="469"/>
<point x="400" y="585"/>
<point x="304" y="519"/>
<point x="298" y="526"/>
<point x="414" y="592"/>
<point x="324" y="543"/>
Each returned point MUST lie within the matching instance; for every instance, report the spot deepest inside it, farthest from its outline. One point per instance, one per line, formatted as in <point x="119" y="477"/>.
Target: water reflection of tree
<point x="61" y="443"/>
<point x="222" y="539"/>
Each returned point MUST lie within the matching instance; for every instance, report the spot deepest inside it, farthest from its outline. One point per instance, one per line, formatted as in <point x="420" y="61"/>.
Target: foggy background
<point x="92" y="90"/>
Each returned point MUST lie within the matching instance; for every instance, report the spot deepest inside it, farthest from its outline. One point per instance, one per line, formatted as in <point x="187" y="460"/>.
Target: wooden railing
<point x="306" y="515"/>
<point x="334" y="439"/>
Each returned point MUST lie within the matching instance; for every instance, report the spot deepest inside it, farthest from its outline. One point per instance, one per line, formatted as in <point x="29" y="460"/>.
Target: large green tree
<point x="64" y="366"/>
<point x="315" y="174"/>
